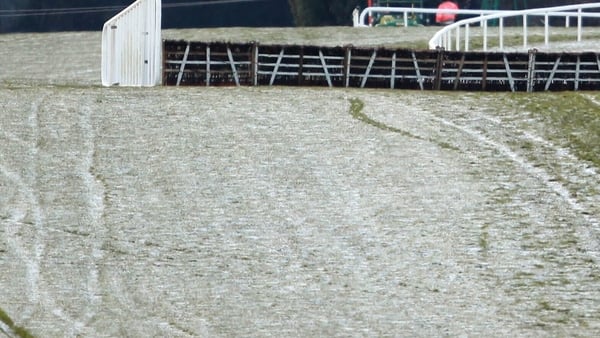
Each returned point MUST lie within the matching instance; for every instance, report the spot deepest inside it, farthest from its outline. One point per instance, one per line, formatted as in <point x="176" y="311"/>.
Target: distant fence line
<point x="187" y="63"/>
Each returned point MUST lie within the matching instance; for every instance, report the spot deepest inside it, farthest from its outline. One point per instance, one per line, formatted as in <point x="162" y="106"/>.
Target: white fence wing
<point x="131" y="46"/>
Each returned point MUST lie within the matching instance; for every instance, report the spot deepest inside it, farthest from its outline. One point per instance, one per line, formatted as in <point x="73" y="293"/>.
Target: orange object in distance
<point x="446" y="18"/>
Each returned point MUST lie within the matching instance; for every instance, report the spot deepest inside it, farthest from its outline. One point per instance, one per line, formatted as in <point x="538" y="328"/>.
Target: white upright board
<point x="132" y="46"/>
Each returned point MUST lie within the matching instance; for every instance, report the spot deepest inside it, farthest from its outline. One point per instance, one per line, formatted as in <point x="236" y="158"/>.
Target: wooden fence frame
<point x="188" y="63"/>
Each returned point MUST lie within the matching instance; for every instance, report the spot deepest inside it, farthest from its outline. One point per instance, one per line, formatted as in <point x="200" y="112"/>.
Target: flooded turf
<point x="287" y="211"/>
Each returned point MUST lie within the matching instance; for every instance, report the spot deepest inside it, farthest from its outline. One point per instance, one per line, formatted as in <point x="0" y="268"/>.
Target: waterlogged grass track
<point x="293" y="211"/>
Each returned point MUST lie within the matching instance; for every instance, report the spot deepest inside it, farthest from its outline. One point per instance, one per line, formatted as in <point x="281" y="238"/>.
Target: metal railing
<point x="132" y="46"/>
<point x="451" y="37"/>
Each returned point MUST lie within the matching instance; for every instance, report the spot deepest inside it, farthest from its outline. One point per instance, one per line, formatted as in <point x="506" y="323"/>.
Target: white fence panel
<point x="132" y="46"/>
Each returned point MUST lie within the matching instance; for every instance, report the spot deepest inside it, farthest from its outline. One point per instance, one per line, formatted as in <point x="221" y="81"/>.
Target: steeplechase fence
<point x="133" y="54"/>
<point x="187" y="63"/>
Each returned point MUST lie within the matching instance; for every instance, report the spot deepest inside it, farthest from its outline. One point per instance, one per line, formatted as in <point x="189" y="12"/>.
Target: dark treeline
<point x="338" y="12"/>
<point x="25" y="15"/>
<point x="324" y="12"/>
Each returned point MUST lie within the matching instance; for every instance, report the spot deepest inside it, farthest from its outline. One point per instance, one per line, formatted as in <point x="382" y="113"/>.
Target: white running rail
<point x="451" y="37"/>
<point x="132" y="46"/>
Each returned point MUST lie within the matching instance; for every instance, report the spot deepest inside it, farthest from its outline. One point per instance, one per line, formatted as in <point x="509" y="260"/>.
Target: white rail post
<point x="355" y="15"/>
<point x="524" y="30"/>
<point x="467" y="37"/>
<point x="132" y="46"/>
<point x="485" y="35"/>
<point x="579" y="24"/>
<point x="501" y="33"/>
<point x="457" y="38"/>
<point x="546" y="29"/>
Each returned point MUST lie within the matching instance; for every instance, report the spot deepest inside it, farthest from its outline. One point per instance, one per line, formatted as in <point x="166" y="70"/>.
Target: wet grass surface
<point x="290" y="211"/>
<point x="257" y="204"/>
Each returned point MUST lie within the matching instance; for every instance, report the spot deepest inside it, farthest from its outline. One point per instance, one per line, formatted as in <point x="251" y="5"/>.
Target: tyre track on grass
<point x="544" y="176"/>
<point x="497" y="134"/>
<point x="27" y="215"/>
<point x="102" y="277"/>
<point x="26" y="230"/>
<point x="113" y="261"/>
<point x="560" y="241"/>
<point x="27" y="221"/>
<point x="94" y="194"/>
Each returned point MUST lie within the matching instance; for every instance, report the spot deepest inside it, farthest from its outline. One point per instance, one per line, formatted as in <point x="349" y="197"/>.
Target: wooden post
<point x="301" y="67"/>
<point x="254" y="64"/>
<point x="484" y="72"/>
<point x="531" y="70"/>
<point x="207" y="65"/>
<point x="577" y="68"/>
<point x="439" y="68"/>
<point x="393" y="73"/>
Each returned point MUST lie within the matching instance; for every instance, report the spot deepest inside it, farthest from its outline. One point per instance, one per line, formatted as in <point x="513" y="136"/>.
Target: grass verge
<point x="573" y="119"/>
